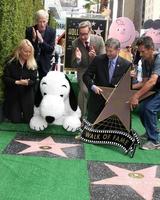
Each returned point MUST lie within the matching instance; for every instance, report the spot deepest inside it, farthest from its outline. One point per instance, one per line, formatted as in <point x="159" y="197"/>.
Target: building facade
<point x="128" y="8"/>
<point x="152" y="9"/>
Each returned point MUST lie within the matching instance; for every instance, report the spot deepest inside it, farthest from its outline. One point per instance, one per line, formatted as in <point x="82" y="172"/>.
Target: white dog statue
<point x="59" y="104"/>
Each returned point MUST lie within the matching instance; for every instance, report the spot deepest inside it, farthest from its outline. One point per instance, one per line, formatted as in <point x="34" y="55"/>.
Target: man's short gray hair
<point x="84" y="24"/>
<point x="113" y="43"/>
<point x="41" y="13"/>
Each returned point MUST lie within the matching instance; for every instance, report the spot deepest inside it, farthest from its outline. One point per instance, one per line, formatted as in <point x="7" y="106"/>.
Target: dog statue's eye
<point x="44" y="83"/>
<point x="61" y="95"/>
<point x="44" y="93"/>
<point x="64" y="86"/>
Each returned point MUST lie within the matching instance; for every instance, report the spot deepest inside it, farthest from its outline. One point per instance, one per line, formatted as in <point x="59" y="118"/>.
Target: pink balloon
<point x="123" y="29"/>
<point x="155" y="35"/>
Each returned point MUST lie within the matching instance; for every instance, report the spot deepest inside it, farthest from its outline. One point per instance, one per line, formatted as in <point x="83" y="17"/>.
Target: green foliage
<point x="37" y="5"/>
<point x="89" y="3"/>
<point x="52" y="22"/>
<point x="15" y="16"/>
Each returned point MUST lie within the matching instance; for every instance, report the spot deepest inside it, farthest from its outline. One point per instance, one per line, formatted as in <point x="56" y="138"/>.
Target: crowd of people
<point x="98" y="63"/>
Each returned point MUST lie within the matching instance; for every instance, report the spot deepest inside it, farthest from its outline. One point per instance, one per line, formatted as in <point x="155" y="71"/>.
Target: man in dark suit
<point x="84" y="49"/>
<point x="42" y="38"/>
<point x="105" y="70"/>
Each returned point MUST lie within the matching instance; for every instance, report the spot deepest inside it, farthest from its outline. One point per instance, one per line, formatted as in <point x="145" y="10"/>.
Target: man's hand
<point x="40" y="39"/>
<point x="133" y="73"/>
<point x="92" y="52"/>
<point x="134" y="101"/>
<point x="96" y="89"/>
<point x="33" y="34"/>
<point x="78" y="54"/>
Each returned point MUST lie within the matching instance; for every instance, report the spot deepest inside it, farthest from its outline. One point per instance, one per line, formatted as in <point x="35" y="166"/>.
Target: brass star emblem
<point x="117" y="101"/>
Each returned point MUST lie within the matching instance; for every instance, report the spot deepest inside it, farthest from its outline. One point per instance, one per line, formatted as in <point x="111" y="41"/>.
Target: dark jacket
<point x="43" y="51"/>
<point x="18" y="98"/>
<point x="98" y="74"/>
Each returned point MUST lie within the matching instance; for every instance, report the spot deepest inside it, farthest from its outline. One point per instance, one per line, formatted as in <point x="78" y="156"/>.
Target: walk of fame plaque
<point x="113" y="125"/>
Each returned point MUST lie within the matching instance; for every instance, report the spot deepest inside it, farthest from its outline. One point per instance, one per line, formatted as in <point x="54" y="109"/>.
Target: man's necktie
<point x="111" y="70"/>
<point x="87" y="45"/>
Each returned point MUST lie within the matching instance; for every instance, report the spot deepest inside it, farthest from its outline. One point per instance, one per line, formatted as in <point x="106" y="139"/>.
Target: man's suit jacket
<point x="98" y="74"/>
<point x="95" y="41"/>
<point x="43" y="51"/>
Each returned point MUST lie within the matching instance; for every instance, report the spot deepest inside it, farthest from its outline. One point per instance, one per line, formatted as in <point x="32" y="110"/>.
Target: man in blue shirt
<point x="151" y="106"/>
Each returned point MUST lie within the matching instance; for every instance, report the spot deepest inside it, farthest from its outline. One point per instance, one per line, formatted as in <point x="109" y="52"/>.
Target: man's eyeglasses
<point x="84" y="34"/>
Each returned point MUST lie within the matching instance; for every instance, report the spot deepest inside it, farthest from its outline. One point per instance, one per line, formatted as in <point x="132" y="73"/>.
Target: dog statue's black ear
<point x="72" y="97"/>
<point x="38" y="96"/>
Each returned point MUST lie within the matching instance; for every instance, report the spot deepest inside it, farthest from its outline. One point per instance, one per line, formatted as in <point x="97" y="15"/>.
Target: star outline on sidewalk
<point x="139" y="180"/>
<point x="47" y="144"/>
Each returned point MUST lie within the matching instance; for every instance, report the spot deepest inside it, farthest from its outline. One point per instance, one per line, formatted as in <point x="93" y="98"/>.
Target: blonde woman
<point x="19" y="78"/>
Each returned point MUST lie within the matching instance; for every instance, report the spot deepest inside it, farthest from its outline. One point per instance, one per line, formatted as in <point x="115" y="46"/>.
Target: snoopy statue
<point x="58" y="105"/>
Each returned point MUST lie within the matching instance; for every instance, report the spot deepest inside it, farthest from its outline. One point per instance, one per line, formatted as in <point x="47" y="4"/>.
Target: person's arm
<point x="28" y="81"/>
<point x="32" y="78"/>
<point x="88" y="77"/>
<point x="76" y="55"/>
<point x="30" y="34"/>
<point x="48" y="46"/>
<point x="146" y="87"/>
<point x="7" y="76"/>
<point x="139" y="84"/>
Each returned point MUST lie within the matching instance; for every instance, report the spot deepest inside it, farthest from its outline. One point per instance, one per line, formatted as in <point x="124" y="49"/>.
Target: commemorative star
<point x="117" y="101"/>
<point x="142" y="181"/>
<point x="47" y="144"/>
<point x="93" y="23"/>
<point x="98" y="31"/>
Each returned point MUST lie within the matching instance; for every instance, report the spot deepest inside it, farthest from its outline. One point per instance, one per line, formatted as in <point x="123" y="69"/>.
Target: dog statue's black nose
<point x="49" y="119"/>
